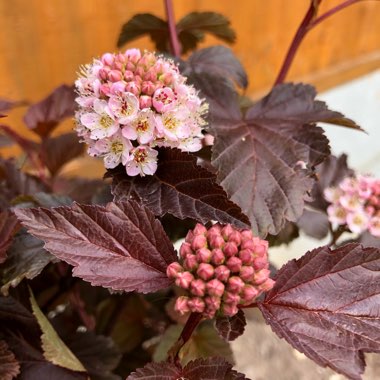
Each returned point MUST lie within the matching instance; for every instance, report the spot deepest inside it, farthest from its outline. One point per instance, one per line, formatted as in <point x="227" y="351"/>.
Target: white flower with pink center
<point x="100" y="123"/>
<point x="173" y="126"/>
<point x="114" y="150"/>
<point x="164" y="99"/>
<point x="142" y="161"/>
<point x="337" y="214"/>
<point x="124" y="106"/>
<point x="374" y="226"/>
<point x="357" y="222"/>
<point x="142" y="128"/>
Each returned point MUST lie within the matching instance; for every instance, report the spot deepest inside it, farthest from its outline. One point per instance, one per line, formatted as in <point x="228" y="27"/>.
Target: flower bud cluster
<point x="355" y="202"/>
<point x="132" y="102"/>
<point x="222" y="268"/>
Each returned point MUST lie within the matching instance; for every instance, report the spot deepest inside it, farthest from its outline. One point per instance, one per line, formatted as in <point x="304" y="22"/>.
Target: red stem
<point x="174" y="42"/>
<point x="186" y="333"/>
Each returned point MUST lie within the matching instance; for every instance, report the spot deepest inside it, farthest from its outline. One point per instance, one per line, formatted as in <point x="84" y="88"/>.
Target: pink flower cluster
<point x="222" y="268"/>
<point x="132" y="102"/>
<point x="355" y="202"/>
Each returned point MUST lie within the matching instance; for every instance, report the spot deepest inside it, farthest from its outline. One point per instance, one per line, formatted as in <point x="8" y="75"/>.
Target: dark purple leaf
<point x="9" y="366"/>
<point x="261" y="157"/>
<point x="20" y="330"/>
<point x="45" y="115"/>
<point x="330" y="173"/>
<point x="6" y="105"/>
<point x="145" y="23"/>
<point x="30" y="147"/>
<point x="26" y="258"/>
<point x="98" y="354"/>
<point x="5" y="141"/>
<point x="213" y="368"/>
<point x="314" y="223"/>
<point x="120" y="246"/>
<point x="326" y="305"/>
<point x="179" y="187"/>
<point x="14" y="183"/>
<point x="369" y="240"/>
<point x="287" y="234"/>
<point x="230" y="328"/>
<point x="216" y="60"/>
<point x="8" y="227"/>
<point x="58" y="151"/>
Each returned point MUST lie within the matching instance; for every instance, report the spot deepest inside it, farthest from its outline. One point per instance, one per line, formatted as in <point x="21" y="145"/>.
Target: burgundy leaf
<point x="8" y="227"/>
<point x="218" y="60"/>
<point x="9" y="366"/>
<point x="6" y="105"/>
<point x="314" y="223"/>
<point x="287" y="234"/>
<point x="213" y="368"/>
<point x="14" y="183"/>
<point x="230" y="328"/>
<point x="326" y="305"/>
<point x="330" y="173"/>
<point x="264" y="159"/>
<point x="20" y="330"/>
<point x="44" y="116"/>
<point x="58" y="151"/>
<point x="120" y="246"/>
<point x="179" y="187"/>
<point x="30" y="147"/>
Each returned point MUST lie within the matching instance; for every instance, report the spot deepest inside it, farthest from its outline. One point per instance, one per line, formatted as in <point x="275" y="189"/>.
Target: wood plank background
<point x="43" y="42"/>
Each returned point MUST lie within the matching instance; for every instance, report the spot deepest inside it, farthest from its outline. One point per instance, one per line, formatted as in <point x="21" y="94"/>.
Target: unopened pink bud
<point x="199" y="242"/>
<point x="128" y="75"/>
<point x="184" y="279"/>
<point x="117" y="88"/>
<point x="246" y="273"/>
<point x="235" y="237"/>
<point x="247" y="244"/>
<point x="248" y="294"/>
<point x="216" y="241"/>
<point x="260" y="263"/>
<point x="173" y="269"/>
<point x="181" y="305"/>
<point x="203" y="255"/>
<point x="222" y="273"/>
<point x="205" y="271"/>
<point x="226" y="231"/>
<point x="189" y="236"/>
<point x="218" y="256"/>
<point x="246" y="234"/>
<point x="190" y="262"/>
<point x="185" y="250"/>
<point x="215" y="288"/>
<point x="103" y="73"/>
<point x="148" y="88"/>
<point x="121" y="58"/>
<point x="215" y="229"/>
<point x="261" y="276"/>
<point x="145" y="101"/>
<point x="230" y="249"/>
<point x="246" y="256"/>
<point x="261" y="249"/>
<point x="104" y="89"/>
<point x="235" y="284"/>
<point x="234" y="264"/>
<point x="213" y="303"/>
<point x="196" y="305"/>
<point x="231" y="298"/>
<point x="133" y="87"/>
<point x="200" y="229"/>
<point x="230" y="310"/>
<point x="108" y="59"/>
<point x="133" y="55"/>
<point x="166" y="78"/>
<point x="198" y="288"/>
<point x="115" y="76"/>
<point x="267" y="285"/>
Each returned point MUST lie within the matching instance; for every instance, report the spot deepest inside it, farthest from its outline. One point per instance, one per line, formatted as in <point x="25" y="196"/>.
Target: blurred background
<point x="43" y="43"/>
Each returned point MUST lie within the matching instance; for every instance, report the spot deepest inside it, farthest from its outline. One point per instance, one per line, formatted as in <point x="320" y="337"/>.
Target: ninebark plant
<point x="91" y="284"/>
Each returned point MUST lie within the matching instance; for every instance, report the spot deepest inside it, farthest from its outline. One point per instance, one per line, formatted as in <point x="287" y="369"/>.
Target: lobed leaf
<point x="230" y="328"/>
<point x="145" y="23"/>
<point x="44" y="116"/>
<point x="216" y="60"/>
<point x="8" y="227"/>
<point x="213" y="368"/>
<point x="119" y="246"/>
<point x="54" y="349"/>
<point x="326" y="305"/>
<point x="179" y="187"/>
<point x="261" y="158"/>
<point x="9" y="366"/>
<point x="58" y="151"/>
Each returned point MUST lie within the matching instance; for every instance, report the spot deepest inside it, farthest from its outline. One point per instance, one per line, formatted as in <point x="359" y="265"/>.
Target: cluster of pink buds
<point x="355" y="202"/>
<point x="221" y="268"/>
<point x="132" y="102"/>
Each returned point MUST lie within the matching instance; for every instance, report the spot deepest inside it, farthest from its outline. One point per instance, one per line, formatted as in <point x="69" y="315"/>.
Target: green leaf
<point x="204" y="342"/>
<point x="54" y="350"/>
<point x="142" y="24"/>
